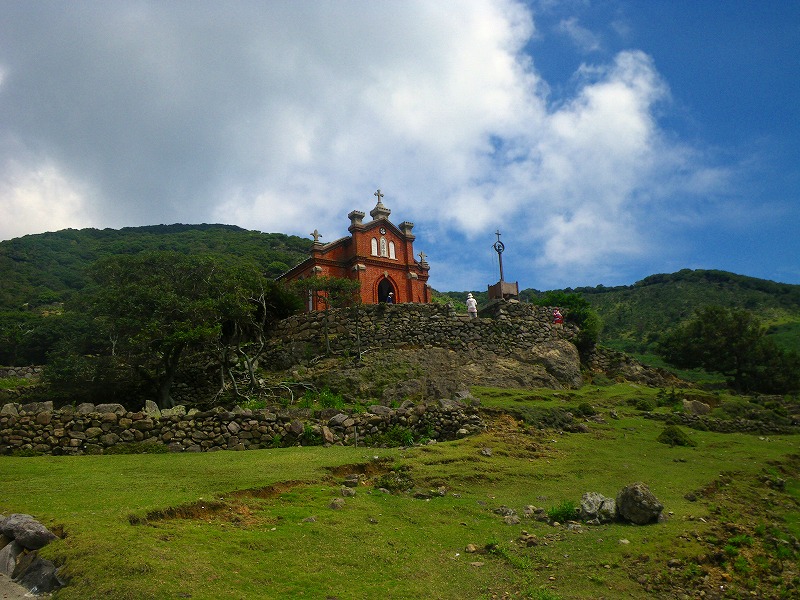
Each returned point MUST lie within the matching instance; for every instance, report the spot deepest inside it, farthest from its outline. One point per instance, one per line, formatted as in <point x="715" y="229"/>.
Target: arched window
<point x="391" y="250"/>
<point x="383" y="247"/>
<point x="374" y="244"/>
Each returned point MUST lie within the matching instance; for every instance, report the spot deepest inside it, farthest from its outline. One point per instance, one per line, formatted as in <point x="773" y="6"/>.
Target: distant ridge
<point x="48" y="267"/>
<point x="635" y="316"/>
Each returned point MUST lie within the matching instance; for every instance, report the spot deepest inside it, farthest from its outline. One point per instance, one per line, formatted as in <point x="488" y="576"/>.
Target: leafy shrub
<point x="643" y="404"/>
<point x="253" y="404"/>
<point x="328" y="399"/>
<point x="324" y="399"/>
<point x="545" y="418"/>
<point x="675" y="436"/>
<point x="565" y="511"/>
<point x="396" y="435"/>
<point x="585" y="409"/>
<point x="309" y="437"/>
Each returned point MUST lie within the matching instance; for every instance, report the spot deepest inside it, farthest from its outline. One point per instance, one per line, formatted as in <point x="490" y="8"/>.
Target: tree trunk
<point x="170" y="363"/>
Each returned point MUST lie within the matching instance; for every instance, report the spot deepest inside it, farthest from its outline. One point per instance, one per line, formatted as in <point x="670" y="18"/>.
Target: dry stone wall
<point x="30" y="372"/>
<point x="503" y="327"/>
<point x="96" y="429"/>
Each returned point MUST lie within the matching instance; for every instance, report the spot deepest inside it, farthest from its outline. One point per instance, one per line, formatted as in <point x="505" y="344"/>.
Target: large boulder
<point x="637" y="504"/>
<point x="9" y="524"/>
<point x="596" y="508"/>
<point x="33" y="535"/>
<point x="428" y="373"/>
<point x="8" y="558"/>
<point x="40" y="577"/>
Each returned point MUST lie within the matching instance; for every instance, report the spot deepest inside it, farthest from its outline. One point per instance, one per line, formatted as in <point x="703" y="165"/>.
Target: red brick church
<point x="378" y="253"/>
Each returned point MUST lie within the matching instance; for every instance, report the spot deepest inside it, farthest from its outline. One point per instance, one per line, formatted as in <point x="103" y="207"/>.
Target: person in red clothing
<point x="558" y="318"/>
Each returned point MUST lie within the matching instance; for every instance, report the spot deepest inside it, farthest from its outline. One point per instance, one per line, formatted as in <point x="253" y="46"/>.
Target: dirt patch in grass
<point x="271" y="491"/>
<point x="233" y="507"/>
<point x="368" y="469"/>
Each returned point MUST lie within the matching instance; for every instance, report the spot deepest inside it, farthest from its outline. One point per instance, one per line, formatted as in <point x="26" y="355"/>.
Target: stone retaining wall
<point x="94" y="429"/>
<point x="503" y="327"/>
<point x="30" y="372"/>
<point x="738" y="425"/>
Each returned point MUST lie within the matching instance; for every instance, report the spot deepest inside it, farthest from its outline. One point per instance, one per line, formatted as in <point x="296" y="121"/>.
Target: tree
<point x="578" y="311"/>
<point x="732" y="342"/>
<point x="154" y="307"/>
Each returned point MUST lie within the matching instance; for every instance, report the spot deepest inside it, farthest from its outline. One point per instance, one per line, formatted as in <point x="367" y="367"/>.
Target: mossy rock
<point x="675" y="436"/>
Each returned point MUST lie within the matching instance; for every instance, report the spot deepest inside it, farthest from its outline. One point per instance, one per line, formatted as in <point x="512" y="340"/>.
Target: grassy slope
<point x="251" y="545"/>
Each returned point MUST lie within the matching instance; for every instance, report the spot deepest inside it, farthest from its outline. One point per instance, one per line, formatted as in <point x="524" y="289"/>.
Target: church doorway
<point x="384" y="287"/>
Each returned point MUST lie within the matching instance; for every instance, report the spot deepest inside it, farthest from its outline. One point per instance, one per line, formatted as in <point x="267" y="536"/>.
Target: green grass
<point x="786" y="334"/>
<point x="12" y="383"/>
<point x="258" y="524"/>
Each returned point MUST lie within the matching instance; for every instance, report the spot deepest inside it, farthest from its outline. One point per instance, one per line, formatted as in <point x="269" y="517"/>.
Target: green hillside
<point x="45" y="268"/>
<point x="635" y="316"/>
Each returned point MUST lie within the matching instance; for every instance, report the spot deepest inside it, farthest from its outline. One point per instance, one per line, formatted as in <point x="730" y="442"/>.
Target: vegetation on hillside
<point x="636" y="316"/>
<point x="733" y="342"/>
<point x="43" y="272"/>
<point x="41" y="269"/>
<point x="47" y="276"/>
<point x="148" y="311"/>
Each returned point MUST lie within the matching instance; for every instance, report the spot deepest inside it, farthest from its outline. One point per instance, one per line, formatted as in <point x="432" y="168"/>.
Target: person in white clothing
<point x="472" y="307"/>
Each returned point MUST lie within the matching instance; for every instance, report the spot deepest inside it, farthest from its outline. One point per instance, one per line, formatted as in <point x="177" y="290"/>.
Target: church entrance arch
<point x="384" y="287"/>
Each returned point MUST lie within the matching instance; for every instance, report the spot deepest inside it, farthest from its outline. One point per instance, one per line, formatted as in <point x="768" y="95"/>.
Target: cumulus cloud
<point x="583" y="38"/>
<point x="38" y="200"/>
<point x="286" y="116"/>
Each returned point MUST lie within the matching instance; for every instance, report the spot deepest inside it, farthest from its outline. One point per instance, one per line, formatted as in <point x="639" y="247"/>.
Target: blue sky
<point x="607" y="140"/>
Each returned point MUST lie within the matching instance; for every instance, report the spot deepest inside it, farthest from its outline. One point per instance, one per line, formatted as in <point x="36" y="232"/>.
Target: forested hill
<point x="635" y="316"/>
<point x="38" y="270"/>
<point x="45" y="268"/>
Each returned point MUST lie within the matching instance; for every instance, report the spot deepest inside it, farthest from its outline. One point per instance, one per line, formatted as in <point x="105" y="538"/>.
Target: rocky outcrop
<point x="428" y="374"/>
<point x="618" y="365"/>
<point x="596" y="508"/>
<point x="21" y="536"/>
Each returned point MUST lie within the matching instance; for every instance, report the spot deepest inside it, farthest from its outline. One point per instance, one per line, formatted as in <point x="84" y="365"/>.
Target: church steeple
<point x="380" y="211"/>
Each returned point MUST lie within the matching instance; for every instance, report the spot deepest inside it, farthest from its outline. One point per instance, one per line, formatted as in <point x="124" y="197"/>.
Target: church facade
<point x="378" y="254"/>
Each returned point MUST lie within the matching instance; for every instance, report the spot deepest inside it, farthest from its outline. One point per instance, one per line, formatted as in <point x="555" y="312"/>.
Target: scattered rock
<point x="597" y="508"/>
<point x="637" y="504"/>
<point x="528" y="539"/>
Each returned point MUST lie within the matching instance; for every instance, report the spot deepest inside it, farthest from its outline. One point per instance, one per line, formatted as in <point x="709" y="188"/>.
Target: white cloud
<point x="40" y="199"/>
<point x="286" y="116"/>
<point x="583" y="38"/>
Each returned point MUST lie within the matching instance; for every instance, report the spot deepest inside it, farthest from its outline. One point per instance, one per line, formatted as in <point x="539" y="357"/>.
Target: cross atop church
<point x="379" y="195"/>
<point x="316" y="235"/>
<point x="422" y="256"/>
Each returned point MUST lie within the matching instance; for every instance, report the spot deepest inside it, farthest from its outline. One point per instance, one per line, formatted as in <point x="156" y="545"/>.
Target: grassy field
<point x="259" y="524"/>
